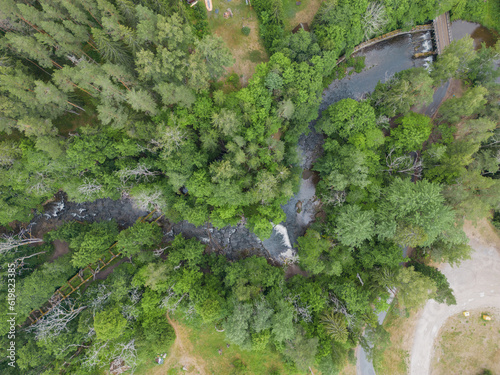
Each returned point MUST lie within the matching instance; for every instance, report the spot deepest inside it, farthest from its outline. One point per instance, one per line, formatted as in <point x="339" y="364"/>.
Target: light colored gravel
<point x="476" y="284"/>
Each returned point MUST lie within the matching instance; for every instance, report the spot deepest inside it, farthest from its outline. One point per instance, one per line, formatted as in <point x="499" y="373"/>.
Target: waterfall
<point x="281" y="229"/>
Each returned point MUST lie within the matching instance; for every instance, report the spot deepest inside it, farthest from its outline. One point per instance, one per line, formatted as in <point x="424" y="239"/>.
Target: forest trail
<point x="180" y="354"/>
<point x="476" y="285"/>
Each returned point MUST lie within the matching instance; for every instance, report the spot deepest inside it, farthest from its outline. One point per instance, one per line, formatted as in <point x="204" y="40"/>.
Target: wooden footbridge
<point x="442" y="31"/>
<point x="84" y="276"/>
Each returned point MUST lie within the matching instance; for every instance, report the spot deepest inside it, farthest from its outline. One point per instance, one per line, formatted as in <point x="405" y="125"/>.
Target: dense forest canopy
<point x="121" y="99"/>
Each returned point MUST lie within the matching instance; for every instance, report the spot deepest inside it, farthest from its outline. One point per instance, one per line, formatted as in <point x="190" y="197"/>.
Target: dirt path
<point x="61" y="248"/>
<point x="181" y="354"/>
<point x="476" y="284"/>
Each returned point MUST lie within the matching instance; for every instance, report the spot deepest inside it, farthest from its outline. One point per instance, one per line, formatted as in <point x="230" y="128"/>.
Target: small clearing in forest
<point x="295" y="14"/>
<point x="248" y="51"/>
<point x="468" y="345"/>
<point x="181" y="354"/>
<point x="196" y="348"/>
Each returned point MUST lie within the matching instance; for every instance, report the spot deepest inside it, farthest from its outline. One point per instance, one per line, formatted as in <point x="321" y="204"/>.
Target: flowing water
<point x="382" y="61"/>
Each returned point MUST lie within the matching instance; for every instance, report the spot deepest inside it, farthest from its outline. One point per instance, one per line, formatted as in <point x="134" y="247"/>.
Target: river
<point x="382" y="61"/>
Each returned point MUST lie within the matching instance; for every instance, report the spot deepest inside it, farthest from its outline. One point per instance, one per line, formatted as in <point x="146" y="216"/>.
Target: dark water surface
<point x="479" y="33"/>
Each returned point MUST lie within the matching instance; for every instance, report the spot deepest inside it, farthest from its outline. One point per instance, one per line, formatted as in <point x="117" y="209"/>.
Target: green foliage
<point x="412" y="288"/>
<point x="245" y="30"/>
<point x="35" y="289"/>
<point x="271" y="26"/>
<point x="317" y="254"/>
<point x="419" y="204"/>
<point x="185" y="251"/>
<point x="472" y="101"/>
<point x="347" y="117"/>
<point x="92" y="242"/>
<point x="406" y="89"/>
<point x="236" y="326"/>
<point x="486" y="13"/>
<point x="335" y="325"/>
<point x="109" y="324"/>
<point x="302" y="350"/>
<point x="161" y="126"/>
<point x="444" y="294"/>
<point x="454" y="61"/>
<point x="413" y="130"/>
<point x="282" y="326"/>
<point x="138" y="237"/>
<point x="354" y="225"/>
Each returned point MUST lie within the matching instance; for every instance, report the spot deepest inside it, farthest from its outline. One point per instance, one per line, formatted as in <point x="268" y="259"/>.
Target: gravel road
<point x="476" y="284"/>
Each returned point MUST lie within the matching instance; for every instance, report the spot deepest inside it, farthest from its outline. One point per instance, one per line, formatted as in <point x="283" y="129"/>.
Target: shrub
<point x="245" y="30"/>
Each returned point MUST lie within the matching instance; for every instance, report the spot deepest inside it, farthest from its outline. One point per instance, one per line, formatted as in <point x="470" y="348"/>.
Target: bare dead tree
<point x="38" y="184"/>
<point x="89" y="188"/>
<point x="20" y="262"/>
<point x="9" y="242"/>
<point x="374" y="20"/>
<point x="492" y="141"/>
<point x="124" y="358"/>
<point x="130" y="312"/>
<point x="134" y="295"/>
<point x="172" y="300"/>
<point x="301" y="311"/>
<point x="383" y="122"/>
<point x="94" y="271"/>
<point x="159" y="252"/>
<point x="340" y="307"/>
<point x="100" y="300"/>
<point x="148" y="200"/>
<point x="335" y="198"/>
<point x="403" y="164"/>
<point x="191" y="311"/>
<point x="360" y="280"/>
<point x="288" y="260"/>
<point x="141" y="171"/>
<point x="171" y="139"/>
<point x="56" y="321"/>
<point x="92" y="356"/>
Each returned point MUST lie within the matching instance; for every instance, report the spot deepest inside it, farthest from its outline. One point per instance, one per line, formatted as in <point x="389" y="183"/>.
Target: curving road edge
<point x="476" y="284"/>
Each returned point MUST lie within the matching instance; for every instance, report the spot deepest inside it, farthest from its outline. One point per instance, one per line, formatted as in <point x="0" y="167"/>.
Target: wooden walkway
<point x="72" y="285"/>
<point x="82" y="277"/>
<point x="442" y="31"/>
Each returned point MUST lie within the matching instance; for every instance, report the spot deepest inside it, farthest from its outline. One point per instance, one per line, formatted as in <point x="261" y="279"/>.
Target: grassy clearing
<point x="305" y="12"/>
<point x="468" y="345"/>
<point x="196" y="348"/>
<point x="248" y="51"/>
<point x="395" y="359"/>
